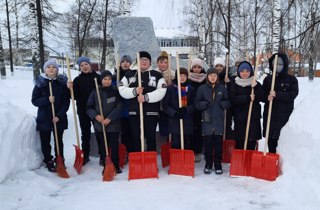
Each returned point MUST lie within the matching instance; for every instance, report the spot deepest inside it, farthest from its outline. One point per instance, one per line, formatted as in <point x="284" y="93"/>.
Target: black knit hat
<point x="212" y="70"/>
<point x="105" y="73"/>
<point x="144" y="54"/>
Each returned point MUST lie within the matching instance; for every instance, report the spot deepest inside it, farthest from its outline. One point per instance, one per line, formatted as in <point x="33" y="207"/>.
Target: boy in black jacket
<point x="82" y="86"/>
<point x="111" y="106"/>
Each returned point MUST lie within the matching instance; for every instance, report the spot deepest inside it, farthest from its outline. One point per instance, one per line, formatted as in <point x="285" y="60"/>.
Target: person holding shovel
<point x="82" y="86"/>
<point x="111" y="103"/>
<point x="240" y="96"/>
<point x="150" y="94"/>
<point x="171" y="108"/>
<point x="212" y="99"/>
<point x="41" y="98"/>
<point x="286" y="89"/>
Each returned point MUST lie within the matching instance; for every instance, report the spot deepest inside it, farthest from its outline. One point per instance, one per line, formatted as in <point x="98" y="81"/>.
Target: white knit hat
<point x="196" y="61"/>
<point x="219" y="60"/>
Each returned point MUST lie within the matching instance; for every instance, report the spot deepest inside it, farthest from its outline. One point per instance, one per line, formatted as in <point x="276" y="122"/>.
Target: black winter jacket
<point x="287" y="89"/>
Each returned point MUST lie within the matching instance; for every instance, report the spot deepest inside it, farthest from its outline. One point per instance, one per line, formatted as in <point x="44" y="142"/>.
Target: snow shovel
<point x="181" y="161"/>
<point x="109" y="170"/>
<point x="78" y="162"/>
<point x="241" y="159"/>
<point x="263" y="165"/>
<point x="60" y="167"/>
<point x="165" y="153"/>
<point x="142" y="164"/>
<point x="165" y="148"/>
<point x="230" y="144"/>
<point x="122" y="147"/>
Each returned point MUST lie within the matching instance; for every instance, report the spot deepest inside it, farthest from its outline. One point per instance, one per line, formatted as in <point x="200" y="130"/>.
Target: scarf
<point x="243" y="82"/>
<point x="184" y="97"/>
<point x="195" y="77"/>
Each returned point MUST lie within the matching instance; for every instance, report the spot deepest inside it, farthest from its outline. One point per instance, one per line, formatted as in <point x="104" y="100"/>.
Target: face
<point x="125" y="65"/>
<point x="212" y="78"/>
<point x="280" y="65"/>
<point x="144" y="63"/>
<point x="196" y="69"/>
<point x="183" y="78"/>
<point x="219" y="67"/>
<point x="51" y="71"/>
<point x="245" y="74"/>
<point x="106" y="81"/>
<point x="85" y="67"/>
<point x="163" y="64"/>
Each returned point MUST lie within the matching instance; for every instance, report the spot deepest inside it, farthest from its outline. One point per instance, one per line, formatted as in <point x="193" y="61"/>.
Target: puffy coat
<point x="40" y="98"/>
<point x="111" y="106"/>
<point x="170" y="105"/>
<point x="287" y="89"/>
<point x="212" y="110"/>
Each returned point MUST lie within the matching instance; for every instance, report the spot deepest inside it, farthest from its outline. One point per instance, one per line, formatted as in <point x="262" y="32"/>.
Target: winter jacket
<point x="286" y="88"/>
<point x="154" y="90"/>
<point x="212" y="110"/>
<point x="111" y="106"/>
<point x="40" y="99"/>
<point x="240" y="99"/>
<point x="170" y="105"/>
<point x="82" y="86"/>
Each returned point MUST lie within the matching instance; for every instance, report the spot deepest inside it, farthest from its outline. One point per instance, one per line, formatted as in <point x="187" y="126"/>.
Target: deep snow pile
<point x="40" y="189"/>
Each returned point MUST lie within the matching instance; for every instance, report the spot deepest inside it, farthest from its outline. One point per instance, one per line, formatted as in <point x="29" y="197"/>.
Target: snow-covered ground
<point x="26" y="184"/>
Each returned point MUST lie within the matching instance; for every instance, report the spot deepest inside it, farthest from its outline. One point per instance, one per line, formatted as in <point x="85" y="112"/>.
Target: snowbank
<point x="19" y="141"/>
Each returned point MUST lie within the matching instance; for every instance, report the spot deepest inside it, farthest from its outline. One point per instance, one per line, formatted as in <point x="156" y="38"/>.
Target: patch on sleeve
<point x="120" y="83"/>
<point x="164" y="85"/>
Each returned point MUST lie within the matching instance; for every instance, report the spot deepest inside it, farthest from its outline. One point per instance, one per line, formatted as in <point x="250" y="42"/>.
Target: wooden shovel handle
<point x="54" y="124"/>
<point x="73" y="103"/>
<point x="101" y="113"/>
<point x="179" y="98"/>
<point x="270" y="104"/>
<point x="140" y="105"/>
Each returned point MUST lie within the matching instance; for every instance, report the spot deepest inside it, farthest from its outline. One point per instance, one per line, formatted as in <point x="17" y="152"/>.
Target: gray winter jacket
<point x="212" y="110"/>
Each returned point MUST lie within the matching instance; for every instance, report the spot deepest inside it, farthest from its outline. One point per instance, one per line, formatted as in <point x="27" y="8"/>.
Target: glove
<point x="178" y="115"/>
<point x="183" y="111"/>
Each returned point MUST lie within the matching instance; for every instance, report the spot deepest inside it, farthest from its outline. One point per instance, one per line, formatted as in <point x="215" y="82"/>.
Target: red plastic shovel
<point x="142" y="164"/>
<point x="181" y="161"/>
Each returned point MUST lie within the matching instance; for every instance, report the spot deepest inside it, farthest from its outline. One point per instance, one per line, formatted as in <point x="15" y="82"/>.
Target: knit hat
<point x="245" y="66"/>
<point x="83" y="59"/>
<point x="144" y="54"/>
<point x="219" y="60"/>
<point x="105" y="73"/>
<point x="163" y="55"/>
<point x="51" y="62"/>
<point x="212" y="70"/>
<point x="196" y="61"/>
<point x="126" y="58"/>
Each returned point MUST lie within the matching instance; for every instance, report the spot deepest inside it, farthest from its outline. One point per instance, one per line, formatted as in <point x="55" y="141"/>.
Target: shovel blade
<point x="227" y="147"/>
<point x="109" y="170"/>
<point x="181" y="162"/>
<point x="165" y="154"/>
<point x="240" y="162"/>
<point x="143" y="165"/>
<point x="78" y="162"/>
<point x="265" y="167"/>
<point x="60" y="167"/>
<point x="122" y="155"/>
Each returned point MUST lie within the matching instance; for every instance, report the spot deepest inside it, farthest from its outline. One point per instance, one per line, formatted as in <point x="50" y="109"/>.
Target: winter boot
<point x="50" y="166"/>
<point x="207" y="169"/>
<point x="119" y="170"/>
<point x="218" y="168"/>
<point x="197" y="158"/>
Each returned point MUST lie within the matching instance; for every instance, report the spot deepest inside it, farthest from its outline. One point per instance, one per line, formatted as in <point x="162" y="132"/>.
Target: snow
<point x="26" y="184"/>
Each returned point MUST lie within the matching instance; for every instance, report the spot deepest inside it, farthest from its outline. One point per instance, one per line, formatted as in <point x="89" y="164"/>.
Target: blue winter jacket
<point x="40" y="99"/>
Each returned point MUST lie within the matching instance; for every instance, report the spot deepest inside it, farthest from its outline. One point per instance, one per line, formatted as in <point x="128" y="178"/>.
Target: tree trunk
<point x="2" y="66"/>
<point x="40" y="31"/>
<point x="9" y="37"/>
<point x="104" y="45"/>
<point x="276" y="25"/>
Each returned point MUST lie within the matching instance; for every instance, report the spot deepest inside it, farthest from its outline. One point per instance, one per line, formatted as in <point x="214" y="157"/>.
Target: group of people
<point x="207" y="99"/>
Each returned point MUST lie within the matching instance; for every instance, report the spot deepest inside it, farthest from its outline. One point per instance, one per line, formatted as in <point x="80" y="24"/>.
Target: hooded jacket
<point x="287" y="89"/>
